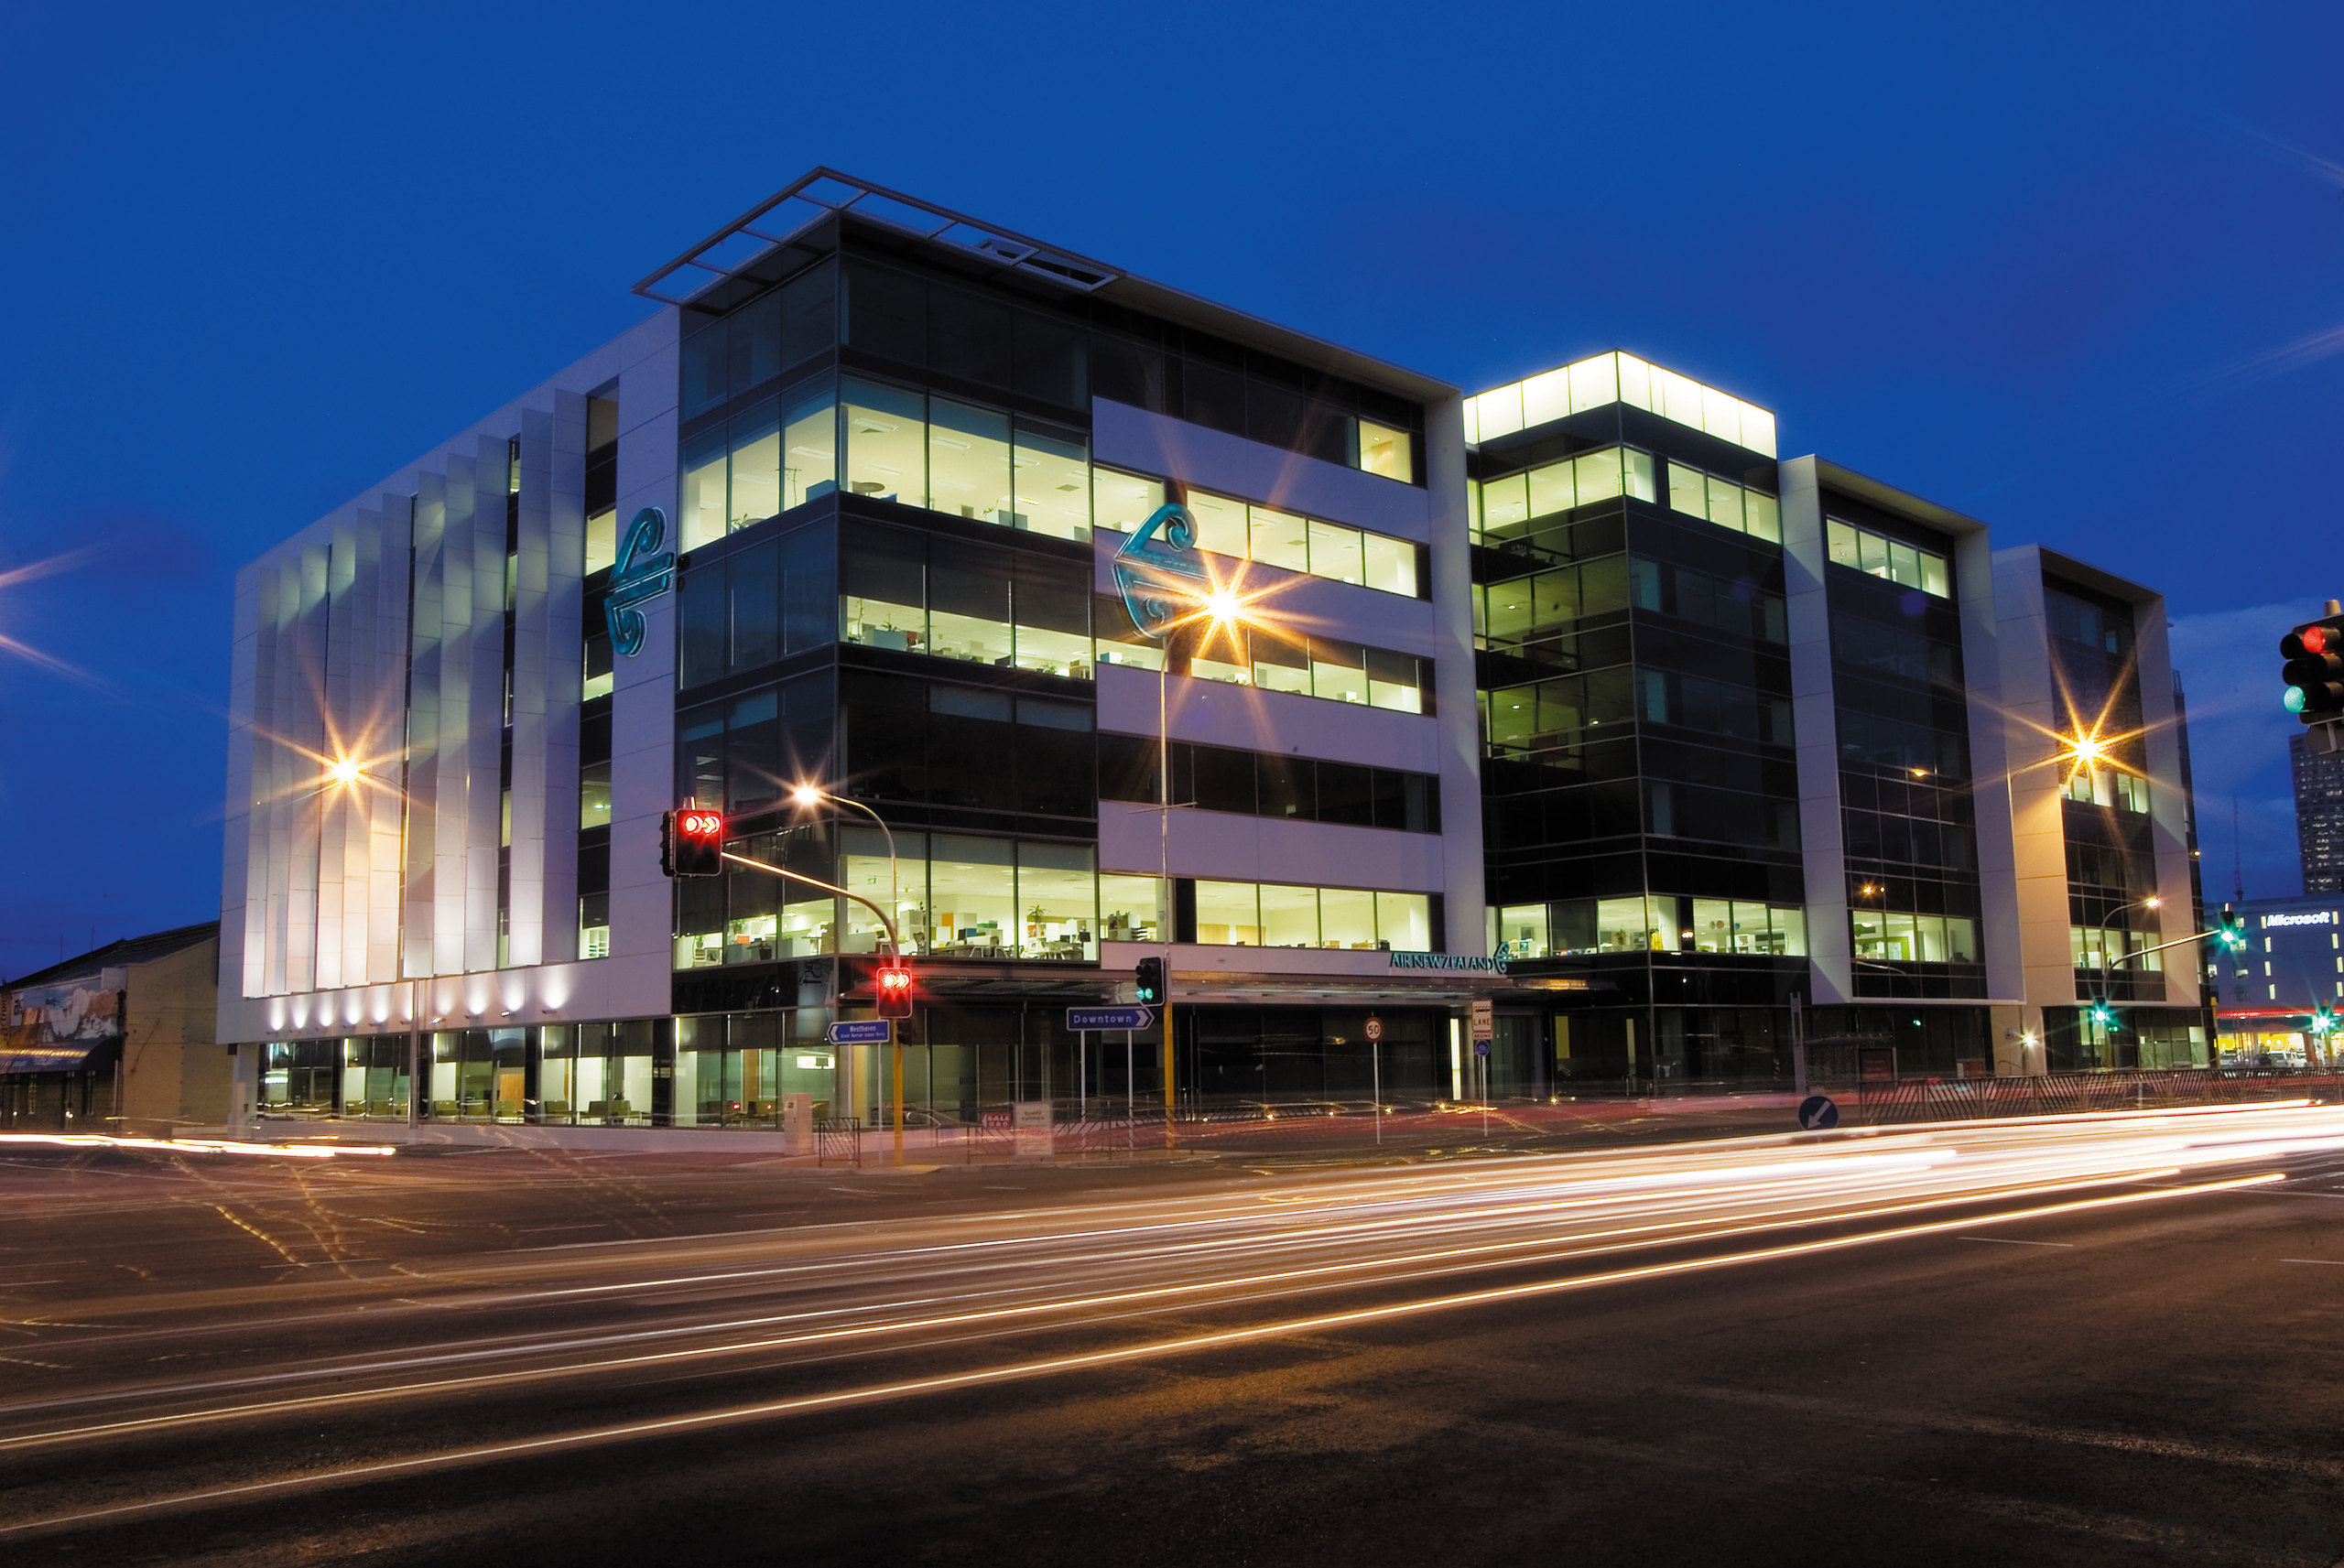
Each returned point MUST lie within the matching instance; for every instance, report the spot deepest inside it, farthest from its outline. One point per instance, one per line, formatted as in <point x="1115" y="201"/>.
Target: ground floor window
<point x="374" y="1075"/>
<point x="597" y="1075"/>
<point x="298" y="1079"/>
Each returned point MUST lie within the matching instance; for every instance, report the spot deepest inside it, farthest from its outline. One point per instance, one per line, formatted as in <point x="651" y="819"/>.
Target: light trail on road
<point x="958" y="1300"/>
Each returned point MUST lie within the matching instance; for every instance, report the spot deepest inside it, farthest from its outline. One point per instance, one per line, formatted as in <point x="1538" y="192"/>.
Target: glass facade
<point x="1615" y="378"/>
<point x="1640" y="795"/>
<point x="1902" y="722"/>
<point x="2110" y="850"/>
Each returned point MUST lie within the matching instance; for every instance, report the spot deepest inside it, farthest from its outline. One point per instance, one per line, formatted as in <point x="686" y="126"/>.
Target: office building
<point x="1765" y="733"/>
<point x="863" y="538"/>
<point x="2270" y="993"/>
<point x="2319" y="815"/>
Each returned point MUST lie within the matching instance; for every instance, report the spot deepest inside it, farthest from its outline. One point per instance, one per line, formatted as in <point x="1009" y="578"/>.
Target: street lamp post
<point x="2107" y="968"/>
<point x="809" y="796"/>
<point x="895" y="952"/>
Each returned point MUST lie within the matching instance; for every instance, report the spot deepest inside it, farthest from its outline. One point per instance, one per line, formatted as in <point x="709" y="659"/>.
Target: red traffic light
<point x="2315" y="670"/>
<point x="893" y="984"/>
<point x="691" y="843"/>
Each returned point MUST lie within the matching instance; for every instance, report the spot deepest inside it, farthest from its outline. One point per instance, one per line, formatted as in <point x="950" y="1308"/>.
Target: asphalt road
<point x="2103" y="1342"/>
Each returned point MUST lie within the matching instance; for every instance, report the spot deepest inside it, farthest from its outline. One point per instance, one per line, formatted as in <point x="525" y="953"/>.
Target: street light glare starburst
<point x="1225" y="608"/>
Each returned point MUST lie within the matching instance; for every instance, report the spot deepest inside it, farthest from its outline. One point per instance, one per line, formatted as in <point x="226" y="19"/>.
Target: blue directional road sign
<point x="1481" y="1047"/>
<point x="1816" y="1113"/>
<point x="1083" y="1019"/>
<point x="863" y="1031"/>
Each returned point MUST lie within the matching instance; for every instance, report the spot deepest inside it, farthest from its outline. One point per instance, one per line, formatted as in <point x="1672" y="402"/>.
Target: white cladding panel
<point x="378" y="633"/>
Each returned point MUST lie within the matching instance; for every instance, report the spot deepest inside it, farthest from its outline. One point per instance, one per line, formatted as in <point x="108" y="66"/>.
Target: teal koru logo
<point x="1158" y="566"/>
<point x="643" y="572"/>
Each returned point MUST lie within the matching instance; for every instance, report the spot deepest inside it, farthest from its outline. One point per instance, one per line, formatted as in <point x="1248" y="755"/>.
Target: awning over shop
<point x="58" y="1055"/>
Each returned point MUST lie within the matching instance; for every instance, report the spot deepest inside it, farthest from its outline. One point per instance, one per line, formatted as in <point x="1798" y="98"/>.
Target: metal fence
<point x="1877" y="1103"/>
<point x="838" y="1140"/>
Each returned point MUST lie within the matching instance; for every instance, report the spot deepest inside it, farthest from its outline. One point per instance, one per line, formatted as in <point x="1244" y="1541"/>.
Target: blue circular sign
<point x="1817" y="1113"/>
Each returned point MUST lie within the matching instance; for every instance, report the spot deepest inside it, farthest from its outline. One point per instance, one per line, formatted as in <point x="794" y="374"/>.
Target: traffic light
<point x="2315" y="670"/>
<point x="2103" y="1015"/>
<point x="691" y="843"/>
<point x="2323" y="1022"/>
<point x="1149" y="992"/>
<point x="2232" y="933"/>
<point x="893" y="981"/>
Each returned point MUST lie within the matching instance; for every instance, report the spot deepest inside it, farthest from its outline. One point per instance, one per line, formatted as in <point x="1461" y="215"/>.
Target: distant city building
<point x="2293" y="965"/>
<point x="2319" y="816"/>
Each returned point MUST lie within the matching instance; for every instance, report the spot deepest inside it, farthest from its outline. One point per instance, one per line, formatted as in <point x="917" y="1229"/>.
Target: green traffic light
<point x="2293" y="700"/>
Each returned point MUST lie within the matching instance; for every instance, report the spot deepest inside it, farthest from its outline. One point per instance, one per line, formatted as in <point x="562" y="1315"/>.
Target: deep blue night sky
<point x="2078" y="270"/>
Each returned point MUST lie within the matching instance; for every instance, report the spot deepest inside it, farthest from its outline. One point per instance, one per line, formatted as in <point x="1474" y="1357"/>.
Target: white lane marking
<point x="1083" y="1361"/>
<point x="2012" y="1241"/>
<point x="2331" y="1262"/>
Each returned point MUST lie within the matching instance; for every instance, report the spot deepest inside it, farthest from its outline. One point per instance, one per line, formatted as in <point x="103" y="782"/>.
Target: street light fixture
<point x="807" y="796"/>
<point x="347" y="773"/>
<point x="892" y="982"/>
<point x="2102" y="1014"/>
<point x="1221" y="608"/>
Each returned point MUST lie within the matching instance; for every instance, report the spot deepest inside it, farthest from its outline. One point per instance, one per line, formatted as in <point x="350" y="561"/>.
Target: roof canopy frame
<point x="823" y="192"/>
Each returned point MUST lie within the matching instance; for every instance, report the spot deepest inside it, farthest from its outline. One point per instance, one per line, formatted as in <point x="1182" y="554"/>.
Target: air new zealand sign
<point x="1469" y="963"/>
<point x="642" y="573"/>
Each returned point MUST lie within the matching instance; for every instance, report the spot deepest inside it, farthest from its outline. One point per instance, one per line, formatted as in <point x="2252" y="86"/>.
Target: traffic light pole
<point x="2144" y="952"/>
<point x="895" y="948"/>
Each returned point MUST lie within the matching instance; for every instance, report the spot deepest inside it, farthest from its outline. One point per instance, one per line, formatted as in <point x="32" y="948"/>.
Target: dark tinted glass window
<point x="1051" y="361"/>
<point x="809" y="315"/>
<point x="887" y="313"/>
<point x="968" y="336"/>
<point x="1127" y="372"/>
<point x="807" y="719"/>
<point x="707" y="370"/>
<point x="968" y="579"/>
<point x="1127" y="768"/>
<point x="594" y="737"/>
<point x="699" y="615"/>
<point x="1054" y="758"/>
<point x="699" y="755"/>
<point x="1053" y="594"/>
<point x="1276" y="414"/>
<point x="1224" y="780"/>
<point x="970" y="737"/>
<point x="883" y="726"/>
<point x="752" y="769"/>
<point x="756" y="330"/>
<point x="1283" y="787"/>
<point x="1216" y="397"/>
<point x="753" y="584"/>
<point x="885" y="564"/>
<point x="810" y="608"/>
<point x="1346" y="793"/>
